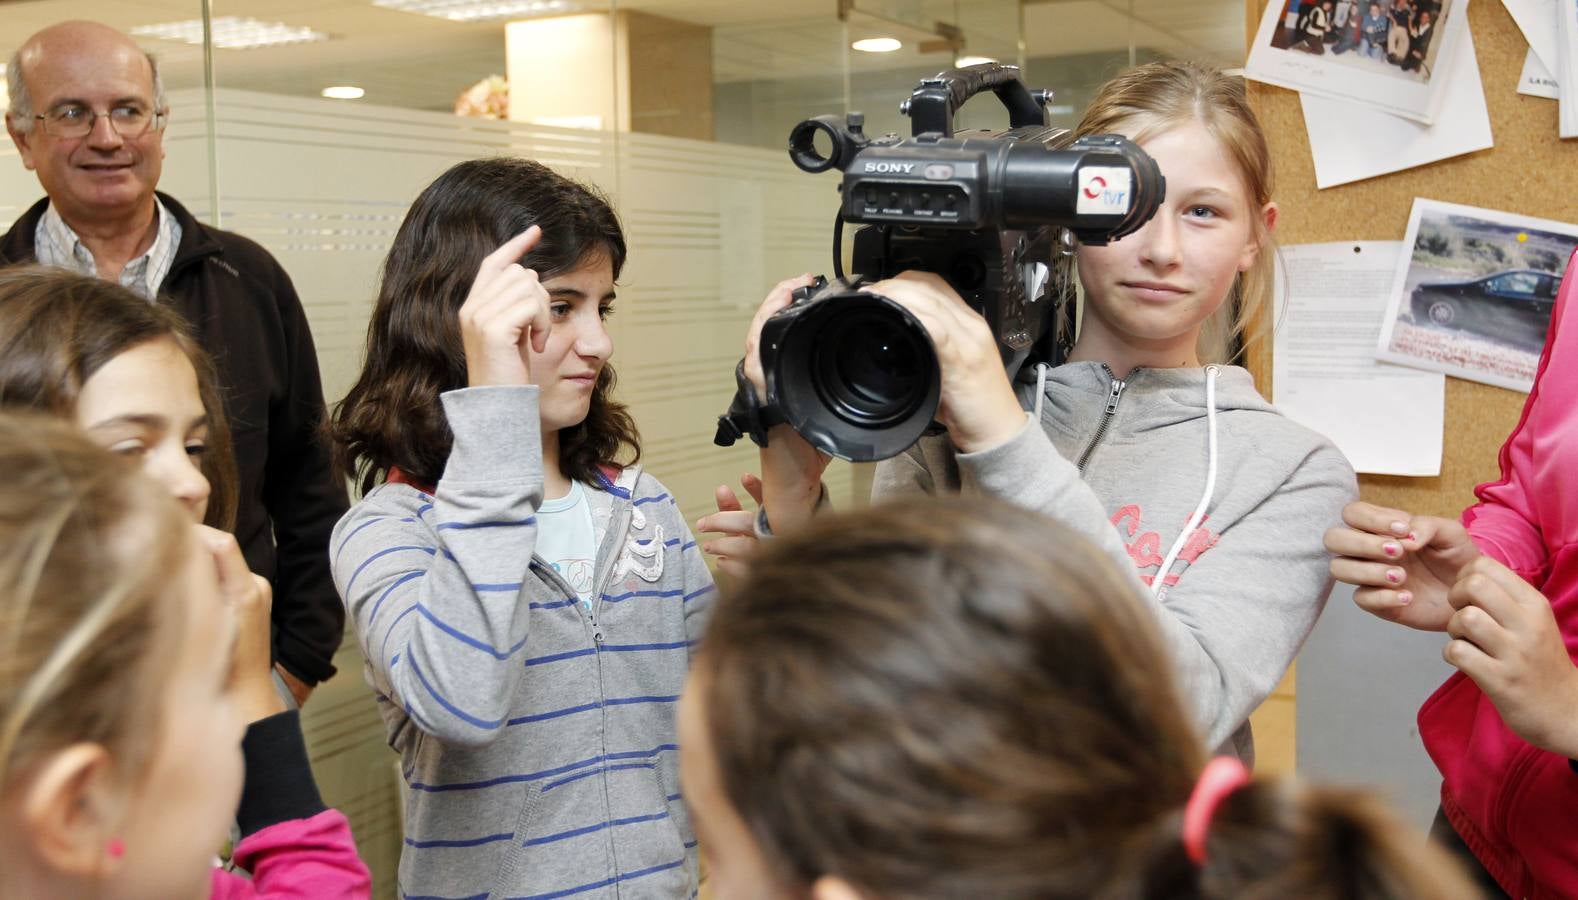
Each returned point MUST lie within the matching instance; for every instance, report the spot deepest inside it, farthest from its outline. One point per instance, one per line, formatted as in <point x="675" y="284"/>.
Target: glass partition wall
<point x="310" y="125"/>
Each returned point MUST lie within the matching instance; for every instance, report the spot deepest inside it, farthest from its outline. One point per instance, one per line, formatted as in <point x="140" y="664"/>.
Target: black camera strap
<point x="746" y="415"/>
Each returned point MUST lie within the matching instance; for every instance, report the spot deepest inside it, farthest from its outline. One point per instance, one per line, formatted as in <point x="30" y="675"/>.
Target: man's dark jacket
<point x="246" y="314"/>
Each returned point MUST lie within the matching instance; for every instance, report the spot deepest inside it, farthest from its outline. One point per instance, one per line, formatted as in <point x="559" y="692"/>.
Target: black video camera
<point x="854" y="372"/>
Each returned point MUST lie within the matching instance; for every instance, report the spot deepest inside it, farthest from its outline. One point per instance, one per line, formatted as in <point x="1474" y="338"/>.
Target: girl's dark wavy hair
<point x="392" y="416"/>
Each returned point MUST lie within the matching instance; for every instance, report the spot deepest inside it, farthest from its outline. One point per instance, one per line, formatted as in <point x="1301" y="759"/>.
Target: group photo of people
<point x="1023" y="667"/>
<point x="1391" y="36"/>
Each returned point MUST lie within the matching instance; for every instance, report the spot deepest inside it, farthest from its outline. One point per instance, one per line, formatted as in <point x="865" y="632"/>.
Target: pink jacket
<point x="1516" y="806"/>
<point x="309" y="859"/>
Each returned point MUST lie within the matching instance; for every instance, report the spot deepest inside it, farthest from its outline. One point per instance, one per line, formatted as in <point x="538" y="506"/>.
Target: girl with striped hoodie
<point x="524" y="603"/>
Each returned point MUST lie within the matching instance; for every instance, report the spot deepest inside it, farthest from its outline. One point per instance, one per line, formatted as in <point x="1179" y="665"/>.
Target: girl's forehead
<point x="1194" y="157"/>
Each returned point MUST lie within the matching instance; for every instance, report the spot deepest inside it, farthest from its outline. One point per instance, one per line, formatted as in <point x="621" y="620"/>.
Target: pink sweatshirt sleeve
<point x="1504" y="523"/>
<point x="310" y="859"/>
<point x="1510" y="521"/>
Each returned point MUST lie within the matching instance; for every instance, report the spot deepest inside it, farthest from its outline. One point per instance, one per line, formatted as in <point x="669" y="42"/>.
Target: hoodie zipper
<point x="608" y="558"/>
<point x="1114" y="394"/>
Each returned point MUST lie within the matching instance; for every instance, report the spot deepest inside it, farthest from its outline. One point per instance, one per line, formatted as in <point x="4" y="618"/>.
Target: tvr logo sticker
<point x="1103" y="191"/>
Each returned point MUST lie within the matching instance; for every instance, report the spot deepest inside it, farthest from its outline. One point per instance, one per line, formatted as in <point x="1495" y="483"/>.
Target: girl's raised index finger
<point x="511" y="251"/>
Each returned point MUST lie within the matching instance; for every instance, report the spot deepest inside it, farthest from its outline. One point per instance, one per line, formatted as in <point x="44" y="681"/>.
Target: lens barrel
<point x="854" y="373"/>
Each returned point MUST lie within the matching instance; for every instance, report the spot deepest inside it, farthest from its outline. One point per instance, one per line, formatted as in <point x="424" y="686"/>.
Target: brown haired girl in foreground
<point x="125" y="635"/>
<point x="941" y="700"/>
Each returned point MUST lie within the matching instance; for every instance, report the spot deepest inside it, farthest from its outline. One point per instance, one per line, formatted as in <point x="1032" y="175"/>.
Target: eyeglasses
<point x="130" y="120"/>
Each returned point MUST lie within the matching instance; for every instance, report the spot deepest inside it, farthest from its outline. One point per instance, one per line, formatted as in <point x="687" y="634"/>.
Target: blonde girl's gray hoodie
<point x="537" y="738"/>
<point x="1127" y="462"/>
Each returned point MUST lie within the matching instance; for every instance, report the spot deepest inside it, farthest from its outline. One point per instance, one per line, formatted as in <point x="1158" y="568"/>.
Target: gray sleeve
<point x="1235" y="621"/>
<point x="435" y="590"/>
<point x="1029" y="471"/>
<point x="1240" y="612"/>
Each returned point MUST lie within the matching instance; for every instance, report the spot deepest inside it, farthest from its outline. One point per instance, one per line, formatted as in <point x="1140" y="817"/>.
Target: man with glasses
<point x="88" y="114"/>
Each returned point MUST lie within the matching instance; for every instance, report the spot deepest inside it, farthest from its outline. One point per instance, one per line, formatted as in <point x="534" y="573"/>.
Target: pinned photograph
<point x="1473" y="294"/>
<point x="1349" y="143"/>
<point x="1383" y="54"/>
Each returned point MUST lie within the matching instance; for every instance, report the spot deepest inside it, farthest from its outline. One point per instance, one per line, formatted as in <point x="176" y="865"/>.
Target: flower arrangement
<point x="487" y="99"/>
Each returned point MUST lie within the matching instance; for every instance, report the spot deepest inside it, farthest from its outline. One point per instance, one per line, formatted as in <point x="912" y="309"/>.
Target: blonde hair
<point x="1148" y="100"/>
<point x="87" y="547"/>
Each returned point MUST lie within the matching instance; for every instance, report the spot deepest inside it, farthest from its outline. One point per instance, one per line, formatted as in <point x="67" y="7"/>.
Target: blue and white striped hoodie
<point x="537" y="739"/>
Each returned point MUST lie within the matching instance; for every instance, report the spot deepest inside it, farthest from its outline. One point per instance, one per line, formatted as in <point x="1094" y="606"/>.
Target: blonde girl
<point x="1146" y="441"/>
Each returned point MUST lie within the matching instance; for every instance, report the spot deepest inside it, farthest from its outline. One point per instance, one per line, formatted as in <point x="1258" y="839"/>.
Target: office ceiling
<point x="411" y="60"/>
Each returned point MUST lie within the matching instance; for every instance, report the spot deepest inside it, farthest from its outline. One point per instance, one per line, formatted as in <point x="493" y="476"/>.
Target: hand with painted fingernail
<point x="1402" y="565"/>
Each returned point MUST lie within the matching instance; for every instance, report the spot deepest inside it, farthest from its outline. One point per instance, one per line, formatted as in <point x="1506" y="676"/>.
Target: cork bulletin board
<point x="1529" y="171"/>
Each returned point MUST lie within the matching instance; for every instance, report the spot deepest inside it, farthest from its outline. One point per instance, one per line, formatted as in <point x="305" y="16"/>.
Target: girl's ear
<point x="831" y="887"/>
<point x="70" y="811"/>
<point x="1258" y="236"/>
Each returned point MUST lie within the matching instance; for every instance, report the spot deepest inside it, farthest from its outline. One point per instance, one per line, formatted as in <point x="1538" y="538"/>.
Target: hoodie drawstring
<point x="1159" y="585"/>
<point x="1041" y="388"/>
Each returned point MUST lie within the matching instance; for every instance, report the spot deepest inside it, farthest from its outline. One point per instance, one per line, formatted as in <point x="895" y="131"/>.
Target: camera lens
<point x="870" y="369"/>
<point x="854" y="373"/>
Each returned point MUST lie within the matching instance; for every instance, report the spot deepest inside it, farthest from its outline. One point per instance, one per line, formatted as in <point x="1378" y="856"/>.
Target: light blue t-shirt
<point x="565" y="540"/>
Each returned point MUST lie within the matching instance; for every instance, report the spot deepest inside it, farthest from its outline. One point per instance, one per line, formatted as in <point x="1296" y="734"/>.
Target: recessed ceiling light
<point x="344" y="92"/>
<point x="877" y="45"/>
<point x="232" y="33"/>
<point x="963" y="61"/>
<point x="480" y="10"/>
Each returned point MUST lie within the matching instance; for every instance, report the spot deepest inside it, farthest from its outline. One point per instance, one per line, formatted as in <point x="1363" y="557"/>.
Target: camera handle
<point x="933" y="103"/>
<point x="746" y="416"/>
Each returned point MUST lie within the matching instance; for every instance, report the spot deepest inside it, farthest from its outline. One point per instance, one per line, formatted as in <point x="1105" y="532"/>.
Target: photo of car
<point x="1512" y="307"/>
<point x="1474" y="295"/>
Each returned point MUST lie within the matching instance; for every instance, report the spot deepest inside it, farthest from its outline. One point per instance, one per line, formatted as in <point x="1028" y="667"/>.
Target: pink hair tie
<point x="1221" y="777"/>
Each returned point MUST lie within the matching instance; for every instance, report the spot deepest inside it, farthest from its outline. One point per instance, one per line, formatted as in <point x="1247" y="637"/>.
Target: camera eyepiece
<point x="802" y="144"/>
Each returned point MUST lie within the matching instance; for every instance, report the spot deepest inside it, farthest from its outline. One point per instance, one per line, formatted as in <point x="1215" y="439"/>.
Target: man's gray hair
<point x="22" y="112"/>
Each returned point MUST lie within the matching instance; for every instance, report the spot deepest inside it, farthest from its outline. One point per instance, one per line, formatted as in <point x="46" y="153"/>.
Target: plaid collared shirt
<point x="57" y="245"/>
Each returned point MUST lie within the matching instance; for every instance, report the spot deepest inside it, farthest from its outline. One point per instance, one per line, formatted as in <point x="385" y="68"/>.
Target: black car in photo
<point x="1512" y="307"/>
